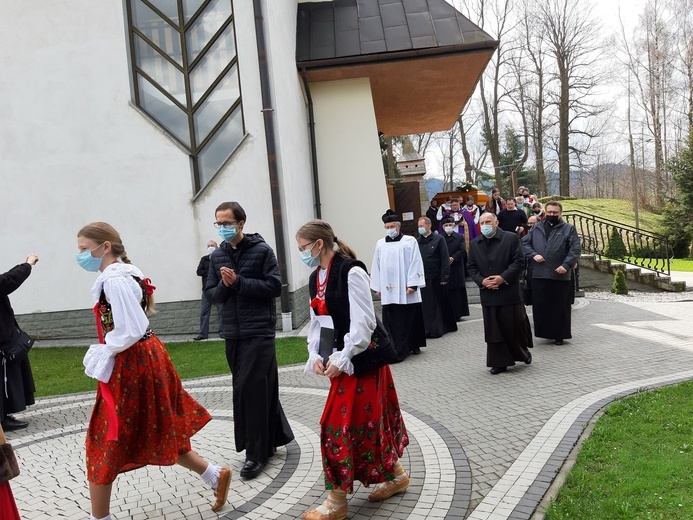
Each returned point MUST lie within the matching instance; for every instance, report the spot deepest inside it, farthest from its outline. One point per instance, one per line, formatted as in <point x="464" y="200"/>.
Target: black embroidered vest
<point x="105" y="312"/>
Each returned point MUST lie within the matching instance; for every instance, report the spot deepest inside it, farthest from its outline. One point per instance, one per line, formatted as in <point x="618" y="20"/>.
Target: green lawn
<point x="615" y="209"/>
<point x="59" y="370"/>
<point x="682" y="264"/>
<point x="636" y="464"/>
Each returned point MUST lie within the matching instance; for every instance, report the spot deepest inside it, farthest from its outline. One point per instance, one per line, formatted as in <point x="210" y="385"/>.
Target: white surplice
<point x="397" y="266"/>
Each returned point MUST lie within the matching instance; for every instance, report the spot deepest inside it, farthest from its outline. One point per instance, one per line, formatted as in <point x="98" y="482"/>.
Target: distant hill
<point x="433" y="186"/>
<point x="616" y="210"/>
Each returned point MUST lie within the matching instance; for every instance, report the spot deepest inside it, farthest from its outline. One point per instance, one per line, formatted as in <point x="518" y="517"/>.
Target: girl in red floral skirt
<point x="362" y="431"/>
<point x="141" y="415"/>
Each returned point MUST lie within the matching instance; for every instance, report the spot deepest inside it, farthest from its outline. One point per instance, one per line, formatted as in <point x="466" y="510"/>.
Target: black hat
<point x="447" y="220"/>
<point x="391" y="216"/>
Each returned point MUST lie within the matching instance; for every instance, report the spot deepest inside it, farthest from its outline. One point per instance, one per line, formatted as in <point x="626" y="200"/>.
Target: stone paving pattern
<point x="482" y="446"/>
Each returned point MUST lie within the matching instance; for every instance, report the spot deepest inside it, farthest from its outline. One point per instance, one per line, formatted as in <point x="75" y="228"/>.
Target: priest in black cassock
<point x="397" y="276"/>
<point x="552" y="249"/>
<point x="495" y="263"/>
<point x="457" y="289"/>
<point x="437" y="311"/>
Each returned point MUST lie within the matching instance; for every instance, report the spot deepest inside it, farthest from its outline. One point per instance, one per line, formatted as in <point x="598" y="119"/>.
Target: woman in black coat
<point x="18" y="391"/>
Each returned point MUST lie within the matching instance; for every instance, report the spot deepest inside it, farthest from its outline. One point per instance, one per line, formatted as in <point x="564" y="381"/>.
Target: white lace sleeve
<point x="362" y="317"/>
<point x="130" y="324"/>
<point x="313" y="343"/>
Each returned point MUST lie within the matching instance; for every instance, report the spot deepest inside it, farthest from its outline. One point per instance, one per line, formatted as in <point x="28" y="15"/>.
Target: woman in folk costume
<point x="362" y="431"/>
<point x="141" y="415"/>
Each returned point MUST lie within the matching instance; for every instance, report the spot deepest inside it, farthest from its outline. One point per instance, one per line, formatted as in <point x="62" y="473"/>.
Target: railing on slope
<point x="616" y="241"/>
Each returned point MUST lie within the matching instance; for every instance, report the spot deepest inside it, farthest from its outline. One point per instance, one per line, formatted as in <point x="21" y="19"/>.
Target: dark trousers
<point x="259" y="421"/>
<point x="205" y="312"/>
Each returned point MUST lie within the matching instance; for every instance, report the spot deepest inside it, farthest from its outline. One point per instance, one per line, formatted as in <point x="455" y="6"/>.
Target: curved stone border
<point x="520" y="490"/>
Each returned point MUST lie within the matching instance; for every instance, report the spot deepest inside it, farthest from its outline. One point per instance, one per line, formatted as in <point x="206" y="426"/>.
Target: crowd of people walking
<point x="516" y="251"/>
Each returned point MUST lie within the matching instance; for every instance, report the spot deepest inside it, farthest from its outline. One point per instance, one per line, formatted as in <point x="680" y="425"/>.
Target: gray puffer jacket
<point x="249" y="304"/>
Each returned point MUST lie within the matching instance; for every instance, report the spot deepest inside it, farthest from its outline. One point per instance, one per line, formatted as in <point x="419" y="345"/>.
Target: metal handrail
<point x="617" y="241"/>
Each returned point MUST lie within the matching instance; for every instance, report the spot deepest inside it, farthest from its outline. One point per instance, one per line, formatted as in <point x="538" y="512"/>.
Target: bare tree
<point x="572" y="34"/>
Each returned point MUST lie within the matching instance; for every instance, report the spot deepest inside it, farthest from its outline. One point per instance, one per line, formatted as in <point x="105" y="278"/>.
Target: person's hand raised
<point x="32" y="259"/>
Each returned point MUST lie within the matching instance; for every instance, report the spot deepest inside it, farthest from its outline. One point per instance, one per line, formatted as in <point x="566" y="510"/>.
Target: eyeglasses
<point x="303" y="249"/>
<point x="225" y="224"/>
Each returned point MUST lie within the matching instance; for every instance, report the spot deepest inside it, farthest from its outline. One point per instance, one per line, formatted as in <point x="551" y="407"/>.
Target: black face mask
<point x="552" y="219"/>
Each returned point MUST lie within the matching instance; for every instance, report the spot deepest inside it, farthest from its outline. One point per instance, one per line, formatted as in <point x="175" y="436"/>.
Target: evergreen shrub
<point x="620" y="286"/>
<point x="616" y="248"/>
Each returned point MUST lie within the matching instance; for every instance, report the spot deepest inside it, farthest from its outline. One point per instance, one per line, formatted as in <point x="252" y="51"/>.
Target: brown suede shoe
<point x="387" y="489"/>
<point x="222" y="488"/>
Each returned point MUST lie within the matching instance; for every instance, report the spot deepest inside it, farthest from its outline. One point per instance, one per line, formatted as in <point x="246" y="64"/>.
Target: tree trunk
<point x="564" y="129"/>
<point x="465" y="152"/>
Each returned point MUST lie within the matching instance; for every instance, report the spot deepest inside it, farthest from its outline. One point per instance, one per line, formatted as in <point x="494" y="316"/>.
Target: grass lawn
<point x="59" y="370"/>
<point x="636" y="464"/>
<point x="615" y="209"/>
<point x="682" y="264"/>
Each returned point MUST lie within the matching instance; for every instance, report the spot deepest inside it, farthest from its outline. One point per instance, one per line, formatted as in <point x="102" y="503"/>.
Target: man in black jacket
<point x="495" y="263"/>
<point x="512" y="218"/>
<point x="18" y="389"/>
<point x="244" y="278"/>
<point x="552" y="249"/>
<point x="205" y="304"/>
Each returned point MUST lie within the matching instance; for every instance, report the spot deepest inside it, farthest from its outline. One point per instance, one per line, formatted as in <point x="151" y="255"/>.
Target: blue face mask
<point x="392" y="232"/>
<point x="309" y="259"/>
<point x="228" y="233"/>
<point x="487" y="230"/>
<point x="422" y="231"/>
<point x="88" y="262"/>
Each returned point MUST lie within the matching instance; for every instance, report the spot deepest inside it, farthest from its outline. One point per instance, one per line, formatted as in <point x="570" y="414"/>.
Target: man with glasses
<point x="244" y="278"/>
<point x="552" y="249"/>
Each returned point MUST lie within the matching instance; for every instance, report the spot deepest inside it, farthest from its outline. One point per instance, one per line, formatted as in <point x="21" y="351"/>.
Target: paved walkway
<point x="482" y="446"/>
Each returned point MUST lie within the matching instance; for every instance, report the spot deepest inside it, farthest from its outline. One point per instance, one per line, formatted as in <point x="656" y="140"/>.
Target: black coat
<point x="458" y="251"/>
<point x="203" y="269"/>
<point x="561" y="247"/>
<point x="434" y="254"/>
<point x="10" y="282"/>
<point x="432" y="214"/>
<point x="499" y="255"/>
<point x="249" y="308"/>
<point x="20" y="382"/>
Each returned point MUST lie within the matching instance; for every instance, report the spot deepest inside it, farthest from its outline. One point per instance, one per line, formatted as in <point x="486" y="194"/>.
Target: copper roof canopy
<point x="423" y="58"/>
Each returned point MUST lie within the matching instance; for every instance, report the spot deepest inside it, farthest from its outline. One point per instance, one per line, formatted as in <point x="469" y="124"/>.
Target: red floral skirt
<point x="362" y="430"/>
<point x="156" y="417"/>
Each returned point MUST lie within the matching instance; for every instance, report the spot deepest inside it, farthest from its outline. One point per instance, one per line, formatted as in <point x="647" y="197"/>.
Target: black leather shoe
<point x="529" y="358"/>
<point x="416" y="351"/>
<point x="11" y="424"/>
<point x="251" y="469"/>
<point x="498" y="370"/>
<point x="558" y="342"/>
<point x="198" y="338"/>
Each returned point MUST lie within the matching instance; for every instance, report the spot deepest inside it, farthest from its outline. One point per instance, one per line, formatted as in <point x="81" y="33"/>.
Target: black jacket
<point x="203" y="269"/>
<point x="499" y="255"/>
<point x="9" y="282"/>
<point x="511" y="220"/>
<point x="434" y="253"/>
<point x="560" y="246"/>
<point x="248" y="305"/>
<point x="458" y="251"/>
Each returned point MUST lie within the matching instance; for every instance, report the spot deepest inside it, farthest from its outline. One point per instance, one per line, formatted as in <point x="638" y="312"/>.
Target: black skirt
<point x="19" y="387"/>
<point x="406" y="327"/>
<point x="507" y="333"/>
<point x="551" y="300"/>
<point x="459" y="302"/>
<point x="437" y="310"/>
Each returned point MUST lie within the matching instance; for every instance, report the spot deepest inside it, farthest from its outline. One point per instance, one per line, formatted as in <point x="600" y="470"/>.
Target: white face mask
<point x="211" y="250"/>
<point x="449" y="229"/>
<point x="392" y="232"/>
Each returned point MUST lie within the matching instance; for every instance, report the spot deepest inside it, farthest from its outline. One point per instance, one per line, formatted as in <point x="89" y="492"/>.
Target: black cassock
<point x="506" y="326"/>
<point x="457" y="289"/>
<point x="437" y="310"/>
<point x="258" y="418"/>
<point x="18" y="389"/>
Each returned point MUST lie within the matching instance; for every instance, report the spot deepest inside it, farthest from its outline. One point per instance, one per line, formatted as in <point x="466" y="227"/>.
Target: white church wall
<point x="352" y="185"/>
<point x="73" y="150"/>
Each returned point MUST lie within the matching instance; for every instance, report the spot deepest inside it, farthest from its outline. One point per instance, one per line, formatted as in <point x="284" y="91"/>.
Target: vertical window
<point x="185" y="76"/>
